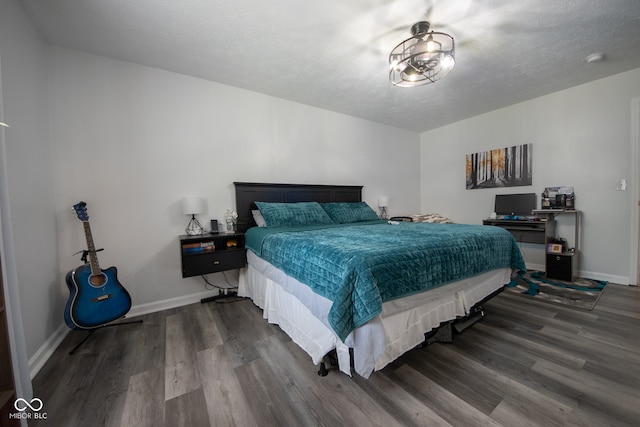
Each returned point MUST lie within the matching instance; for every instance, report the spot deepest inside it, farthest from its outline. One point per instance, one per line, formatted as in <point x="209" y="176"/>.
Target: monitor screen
<point x="515" y="204"/>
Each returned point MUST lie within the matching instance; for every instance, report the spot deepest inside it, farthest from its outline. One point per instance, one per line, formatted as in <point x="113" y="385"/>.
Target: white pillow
<point x="257" y="217"/>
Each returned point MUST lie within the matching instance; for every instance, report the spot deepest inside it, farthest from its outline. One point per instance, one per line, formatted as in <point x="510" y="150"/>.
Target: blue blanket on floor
<point x="359" y="266"/>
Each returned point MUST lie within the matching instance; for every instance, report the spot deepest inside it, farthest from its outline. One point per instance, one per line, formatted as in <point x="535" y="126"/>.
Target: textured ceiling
<point x="333" y="54"/>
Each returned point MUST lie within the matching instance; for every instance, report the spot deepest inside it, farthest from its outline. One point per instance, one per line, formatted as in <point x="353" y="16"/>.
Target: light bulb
<point x="448" y="62"/>
<point x="432" y="45"/>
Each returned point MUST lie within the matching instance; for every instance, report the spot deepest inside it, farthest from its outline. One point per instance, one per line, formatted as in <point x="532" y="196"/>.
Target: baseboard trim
<point x="51" y="344"/>
<point x="536" y="267"/>
<point x="46" y="350"/>
<point x="152" y="307"/>
<point x="620" y="280"/>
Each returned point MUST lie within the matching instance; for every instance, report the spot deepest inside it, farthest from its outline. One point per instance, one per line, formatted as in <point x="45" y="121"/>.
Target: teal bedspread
<point x="360" y="266"/>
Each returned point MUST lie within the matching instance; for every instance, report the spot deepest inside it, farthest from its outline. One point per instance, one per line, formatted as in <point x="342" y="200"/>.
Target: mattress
<point x="399" y="327"/>
<point x="359" y="266"/>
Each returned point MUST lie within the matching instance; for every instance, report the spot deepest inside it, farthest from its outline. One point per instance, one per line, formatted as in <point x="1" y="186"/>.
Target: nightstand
<point x="211" y="253"/>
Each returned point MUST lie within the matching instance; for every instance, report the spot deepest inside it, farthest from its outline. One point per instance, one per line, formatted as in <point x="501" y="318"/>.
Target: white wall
<point x="131" y="141"/>
<point x="29" y="243"/>
<point x="581" y="138"/>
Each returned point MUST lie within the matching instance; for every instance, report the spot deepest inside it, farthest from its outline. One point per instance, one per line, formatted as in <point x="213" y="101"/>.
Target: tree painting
<point x="504" y="167"/>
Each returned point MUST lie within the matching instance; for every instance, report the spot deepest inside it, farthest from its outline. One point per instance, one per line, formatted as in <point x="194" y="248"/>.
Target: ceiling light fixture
<point x="424" y="58"/>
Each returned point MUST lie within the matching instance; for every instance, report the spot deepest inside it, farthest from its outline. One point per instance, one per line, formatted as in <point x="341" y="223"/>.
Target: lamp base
<point x="194" y="227"/>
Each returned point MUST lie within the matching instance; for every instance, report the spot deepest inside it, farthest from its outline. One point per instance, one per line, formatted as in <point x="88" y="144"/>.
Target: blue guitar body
<point x="95" y="295"/>
<point x="90" y="306"/>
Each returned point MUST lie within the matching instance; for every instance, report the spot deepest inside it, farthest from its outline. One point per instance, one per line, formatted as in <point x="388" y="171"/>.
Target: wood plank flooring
<point x="526" y="363"/>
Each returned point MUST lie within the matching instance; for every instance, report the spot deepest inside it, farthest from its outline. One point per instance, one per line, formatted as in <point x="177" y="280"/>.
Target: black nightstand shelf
<point x="211" y="253"/>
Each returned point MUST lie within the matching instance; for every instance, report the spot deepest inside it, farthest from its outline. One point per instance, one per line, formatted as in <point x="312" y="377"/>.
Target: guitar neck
<point x="93" y="258"/>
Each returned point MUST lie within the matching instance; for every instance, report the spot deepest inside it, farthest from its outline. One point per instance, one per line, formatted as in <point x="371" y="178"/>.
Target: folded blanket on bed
<point x="360" y="266"/>
<point x="431" y="217"/>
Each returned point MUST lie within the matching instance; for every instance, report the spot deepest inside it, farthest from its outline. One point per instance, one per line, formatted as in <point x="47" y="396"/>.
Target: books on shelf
<point x="199" y="247"/>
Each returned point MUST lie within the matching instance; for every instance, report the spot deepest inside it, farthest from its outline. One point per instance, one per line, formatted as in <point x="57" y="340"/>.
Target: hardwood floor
<point x="526" y="363"/>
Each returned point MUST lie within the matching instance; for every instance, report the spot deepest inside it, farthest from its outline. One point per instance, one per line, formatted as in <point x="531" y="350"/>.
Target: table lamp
<point x="383" y="202"/>
<point x="193" y="206"/>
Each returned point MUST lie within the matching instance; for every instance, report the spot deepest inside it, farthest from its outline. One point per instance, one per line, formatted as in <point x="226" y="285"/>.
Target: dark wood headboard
<point x="249" y="192"/>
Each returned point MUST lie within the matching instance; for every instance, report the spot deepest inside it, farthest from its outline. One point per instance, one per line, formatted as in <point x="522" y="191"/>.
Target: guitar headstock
<point x="81" y="211"/>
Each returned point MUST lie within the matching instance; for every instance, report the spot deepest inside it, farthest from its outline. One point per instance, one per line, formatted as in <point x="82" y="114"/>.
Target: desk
<point x="563" y="265"/>
<point x="527" y="231"/>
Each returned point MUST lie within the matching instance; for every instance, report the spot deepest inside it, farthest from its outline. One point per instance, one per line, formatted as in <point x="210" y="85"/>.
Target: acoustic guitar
<point x="96" y="297"/>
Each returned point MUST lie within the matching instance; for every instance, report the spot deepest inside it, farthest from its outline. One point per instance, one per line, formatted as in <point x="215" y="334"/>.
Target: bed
<point x="337" y="279"/>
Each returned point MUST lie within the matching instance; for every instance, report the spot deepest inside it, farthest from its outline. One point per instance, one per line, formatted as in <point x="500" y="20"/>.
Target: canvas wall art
<point x="503" y="167"/>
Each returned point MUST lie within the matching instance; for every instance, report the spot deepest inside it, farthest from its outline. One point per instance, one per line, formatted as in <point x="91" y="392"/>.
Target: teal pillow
<point x="345" y="212"/>
<point x="289" y="214"/>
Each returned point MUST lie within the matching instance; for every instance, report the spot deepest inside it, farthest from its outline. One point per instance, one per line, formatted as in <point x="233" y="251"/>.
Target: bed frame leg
<point x="323" y="369"/>
<point x="442" y="333"/>
<point x="332" y="359"/>
<point x="462" y="324"/>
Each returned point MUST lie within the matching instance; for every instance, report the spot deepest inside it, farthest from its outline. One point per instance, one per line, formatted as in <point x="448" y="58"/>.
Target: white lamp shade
<point x="383" y="201"/>
<point x="192" y="205"/>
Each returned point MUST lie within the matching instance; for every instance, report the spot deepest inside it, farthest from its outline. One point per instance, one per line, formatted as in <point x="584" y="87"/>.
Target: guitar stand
<point x="91" y="331"/>
<point x="85" y="253"/>
<point x="227" y="293"/>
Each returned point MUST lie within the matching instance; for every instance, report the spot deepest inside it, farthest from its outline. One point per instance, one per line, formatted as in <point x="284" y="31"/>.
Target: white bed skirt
<point x="401" y="326"/>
